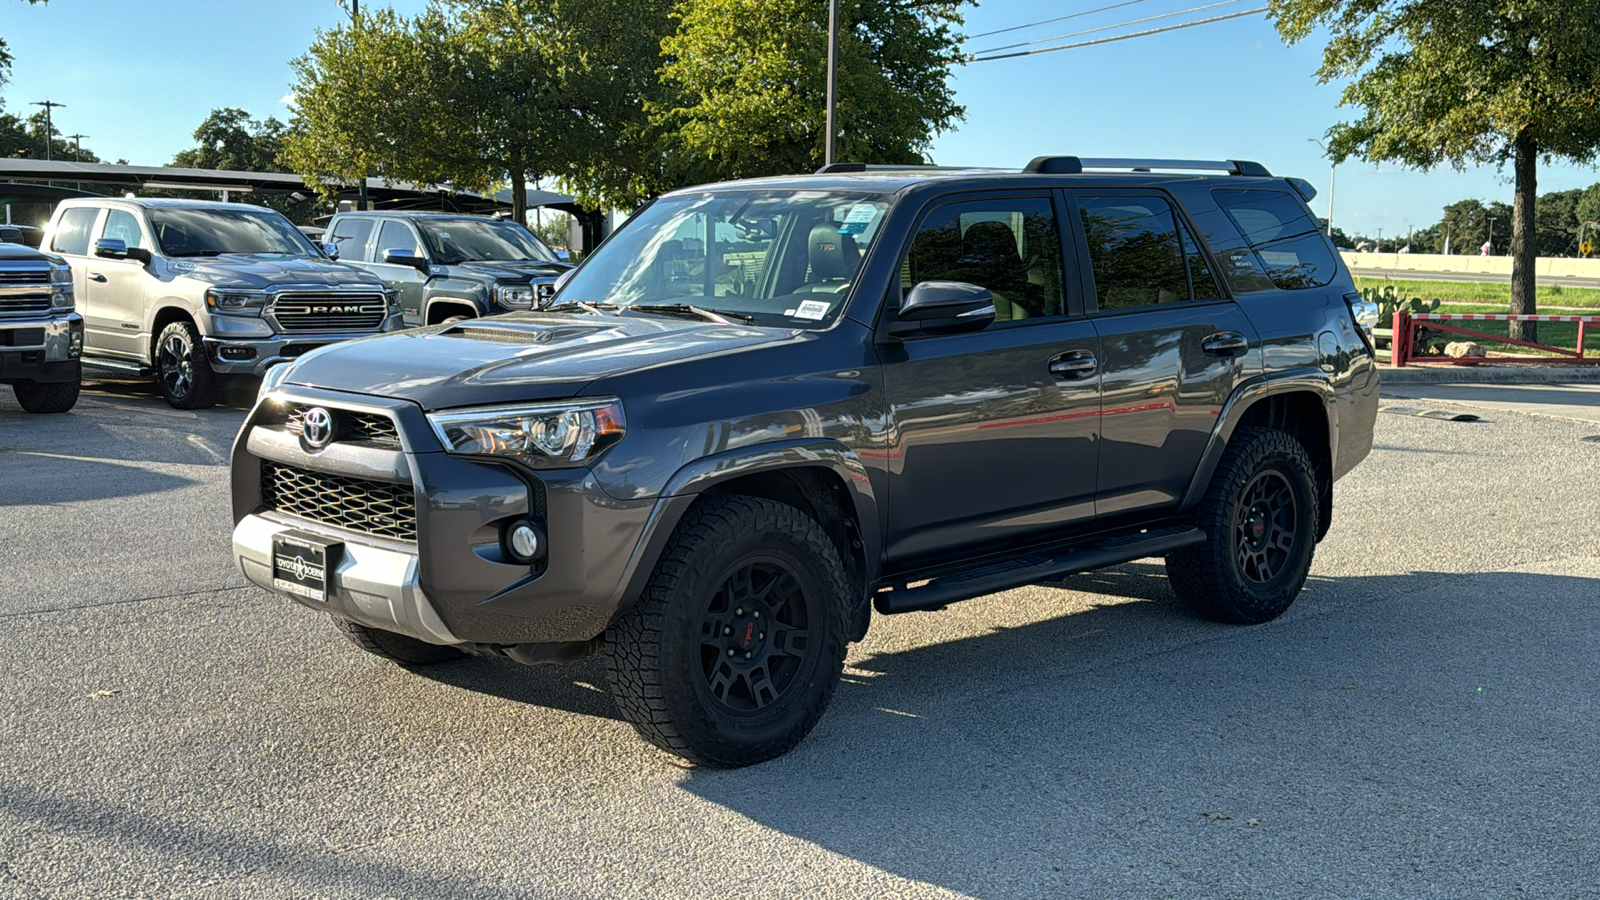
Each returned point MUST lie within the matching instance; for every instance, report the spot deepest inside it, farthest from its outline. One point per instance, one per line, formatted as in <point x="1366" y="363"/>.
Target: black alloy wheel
<point x="753" y="636"/>
<point x="1264" y="537"/>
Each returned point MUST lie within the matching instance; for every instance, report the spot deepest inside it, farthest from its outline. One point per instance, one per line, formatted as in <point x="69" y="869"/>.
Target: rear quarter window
<point x="1285" y="243"/>
<point x="72" y="230"/>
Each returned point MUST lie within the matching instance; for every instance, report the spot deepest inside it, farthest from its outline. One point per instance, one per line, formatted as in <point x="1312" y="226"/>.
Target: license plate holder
<point x="301" y="563"/>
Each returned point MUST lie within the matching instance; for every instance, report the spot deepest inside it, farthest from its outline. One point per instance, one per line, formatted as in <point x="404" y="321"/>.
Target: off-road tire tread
<point x="53" y="397"/>
<point x="205" y="392"/>
<point x="1202" y="575"/>
<point x="634" y="663"/>
<point x="398" y="648"/>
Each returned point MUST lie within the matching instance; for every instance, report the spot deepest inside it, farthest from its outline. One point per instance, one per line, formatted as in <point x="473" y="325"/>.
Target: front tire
<point x="733" y="652"/>
<point x="183" y="373"/>
<point x="1260" y="519"/>
<point x="56" y="397"/>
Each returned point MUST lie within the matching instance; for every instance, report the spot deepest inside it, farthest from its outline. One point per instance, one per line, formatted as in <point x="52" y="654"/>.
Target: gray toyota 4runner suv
<point x="764" y="409"/>
<point x="187" y="290"/>
<point x="446" y="266"/>
<point x="41" y="337"/>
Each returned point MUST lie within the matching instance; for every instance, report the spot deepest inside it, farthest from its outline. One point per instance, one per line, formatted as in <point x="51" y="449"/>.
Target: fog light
<point x="524" y="542"/>
<point x="238" y="353"/>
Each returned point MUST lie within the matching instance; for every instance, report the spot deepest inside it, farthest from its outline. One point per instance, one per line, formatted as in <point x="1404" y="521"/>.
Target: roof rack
<point x="1074" y="165"/>
<point x="845" y="168"/>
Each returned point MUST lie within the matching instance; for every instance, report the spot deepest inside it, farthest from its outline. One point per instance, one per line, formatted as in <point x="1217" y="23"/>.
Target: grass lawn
<point x="1481" y="292"/>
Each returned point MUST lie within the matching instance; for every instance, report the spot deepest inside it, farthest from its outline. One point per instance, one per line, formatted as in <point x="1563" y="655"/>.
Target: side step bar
<point x="117" y="365"/>
<point x="940" y="592"/>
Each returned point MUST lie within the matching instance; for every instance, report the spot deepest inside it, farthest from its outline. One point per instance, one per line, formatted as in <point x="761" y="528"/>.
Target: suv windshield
<point x="776" y="257"/>
<point x="213" y="232"/>
<point x="474" y="240"/>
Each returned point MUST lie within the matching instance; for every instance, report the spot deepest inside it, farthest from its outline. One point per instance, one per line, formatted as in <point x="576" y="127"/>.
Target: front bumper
<point x="243" y="354"/>
<point x="41" y="349"/>
<point x="452" y="583"/>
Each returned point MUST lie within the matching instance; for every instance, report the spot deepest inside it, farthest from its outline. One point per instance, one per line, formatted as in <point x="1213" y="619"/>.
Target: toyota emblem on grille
<point x="316" y="428"/>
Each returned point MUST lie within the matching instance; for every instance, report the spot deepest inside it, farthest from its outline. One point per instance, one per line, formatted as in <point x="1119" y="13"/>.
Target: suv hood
<point x="512" y="269"/>
<point x="249" y="270"/>
<point x="516" y="357"/>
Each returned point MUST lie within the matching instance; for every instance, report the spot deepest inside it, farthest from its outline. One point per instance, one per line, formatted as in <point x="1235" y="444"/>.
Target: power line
<point x="1087" y="12"/>
<point x="1058" y="37"/>
<point x="1120" y="37"/>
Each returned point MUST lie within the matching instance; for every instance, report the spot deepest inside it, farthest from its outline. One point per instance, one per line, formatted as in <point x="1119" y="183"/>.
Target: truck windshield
<point x="783" y="258"/>
<point x="455" y="241"/>
<point x="213" y="232"/>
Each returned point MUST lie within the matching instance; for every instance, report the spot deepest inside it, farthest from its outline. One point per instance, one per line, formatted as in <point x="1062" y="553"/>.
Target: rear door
<point x="1173" y="346"/>
<point x="995" y="431"/>
<point x="71" y="237"/>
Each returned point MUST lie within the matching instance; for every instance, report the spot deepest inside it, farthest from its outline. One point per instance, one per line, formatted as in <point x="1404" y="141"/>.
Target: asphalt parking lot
<point x="1422" y="723"/>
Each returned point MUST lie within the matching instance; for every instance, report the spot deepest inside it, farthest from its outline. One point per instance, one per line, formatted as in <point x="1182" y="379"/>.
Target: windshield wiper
<point x="710" y="315"/>
<point x="593" y="308"/>
<point x="200" y="253"/>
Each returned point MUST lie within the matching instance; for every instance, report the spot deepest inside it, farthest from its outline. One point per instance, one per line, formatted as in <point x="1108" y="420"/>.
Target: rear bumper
<point x="43" y="350"/>
<point x="254" y="355"/>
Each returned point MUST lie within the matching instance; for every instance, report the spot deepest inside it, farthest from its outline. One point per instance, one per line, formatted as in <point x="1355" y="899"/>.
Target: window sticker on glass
<point x="859" y="217"/>
<point x="811" y="309"/>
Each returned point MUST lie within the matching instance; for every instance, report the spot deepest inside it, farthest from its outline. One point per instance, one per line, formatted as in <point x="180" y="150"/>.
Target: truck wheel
<point x="395" y="647"/>
<point x="182" y="371"/>
<point x="1260" y="519"/>
<point x="733" y="651"/>
<point x="57" y="397"/>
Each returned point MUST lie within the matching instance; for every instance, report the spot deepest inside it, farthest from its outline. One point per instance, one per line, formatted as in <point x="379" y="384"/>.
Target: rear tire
<point x="1260" y="519"/>
<point x="183" y="373"/>
<point x="398" y="648"/>
<point x="55" y="397"/>
<point x="733" y="652"/>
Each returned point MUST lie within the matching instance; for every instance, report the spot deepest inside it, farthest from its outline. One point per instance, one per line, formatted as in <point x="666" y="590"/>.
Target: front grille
<point x="24" y="276"/>
<point x="313" y="311"/>
<point x="372" y="428"/>
<point x="371" y="507"/>
<point x="13" y="306"/>
<point x="21" y="337"/>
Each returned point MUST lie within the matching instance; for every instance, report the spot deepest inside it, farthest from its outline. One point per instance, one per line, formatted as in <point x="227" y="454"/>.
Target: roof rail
<point x="1072" y="165"/>
<point x="845" y="168"/>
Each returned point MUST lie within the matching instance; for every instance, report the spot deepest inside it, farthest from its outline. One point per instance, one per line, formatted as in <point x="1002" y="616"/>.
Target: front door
<point x="994" y="434"/>
<point x="407" y="281"/>
<point x="1173" y="347"/>
<point x="117" y="290"/>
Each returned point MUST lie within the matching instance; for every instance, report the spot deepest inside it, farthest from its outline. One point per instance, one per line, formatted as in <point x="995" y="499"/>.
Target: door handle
<point x="96" y="276"/>
<point x="1077" y="364"/>
<point x="1225" y="343"/>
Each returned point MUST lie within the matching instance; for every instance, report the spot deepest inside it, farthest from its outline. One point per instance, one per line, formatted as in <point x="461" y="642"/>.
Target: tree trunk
<point x="1524" y="249"/>
<point x="519" y="193"/>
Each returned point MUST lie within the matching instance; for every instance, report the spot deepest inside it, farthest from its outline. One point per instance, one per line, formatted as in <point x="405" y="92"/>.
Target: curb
<point x="1489" y="374"/>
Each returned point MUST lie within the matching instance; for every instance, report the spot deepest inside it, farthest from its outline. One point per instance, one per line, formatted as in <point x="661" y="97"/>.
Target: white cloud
<point x="288" y="99"/>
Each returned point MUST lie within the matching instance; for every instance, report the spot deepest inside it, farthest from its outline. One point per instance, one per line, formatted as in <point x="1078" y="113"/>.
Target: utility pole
<point x="355" y="20"/>
<point x="1491" y="234"/>
<point x="1333" y="172"/>
<point x="49" y="129"/>
<point x="833" y="81"/>
<point x="77" y="146"/>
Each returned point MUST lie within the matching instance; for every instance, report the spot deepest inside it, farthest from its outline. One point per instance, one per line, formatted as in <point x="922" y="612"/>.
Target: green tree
<point x="231" y="139"/>
<point x="1449" y="81"/>
<point x="746" y="88"/>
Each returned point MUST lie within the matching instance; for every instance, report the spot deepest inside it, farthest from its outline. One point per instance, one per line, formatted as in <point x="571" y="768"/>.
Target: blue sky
<point x="137" y="76"/>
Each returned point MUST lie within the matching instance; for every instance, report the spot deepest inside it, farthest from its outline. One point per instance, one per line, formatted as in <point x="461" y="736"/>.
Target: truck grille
<point x="304" y="312"/>
<point x="25" y="276"/>
<point x="372" y="507"/>
<point x="372" y="428"/>
<point x="12" y="306"/>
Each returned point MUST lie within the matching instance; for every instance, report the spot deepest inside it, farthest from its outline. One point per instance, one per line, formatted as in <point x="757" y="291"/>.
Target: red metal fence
<point x="1404" y="338"/>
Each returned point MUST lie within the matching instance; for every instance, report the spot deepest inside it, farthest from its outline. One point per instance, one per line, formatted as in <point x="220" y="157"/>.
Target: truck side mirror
<point x="111" y="248"/>
<point x="411" y="257"/>
<point x="943" y="307"/>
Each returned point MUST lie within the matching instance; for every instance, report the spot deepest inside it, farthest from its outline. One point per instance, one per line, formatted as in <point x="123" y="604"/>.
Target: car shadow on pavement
<point x="38" y="479"/>
<point x="1129" y="750"/>
<point x="577" y="687"/>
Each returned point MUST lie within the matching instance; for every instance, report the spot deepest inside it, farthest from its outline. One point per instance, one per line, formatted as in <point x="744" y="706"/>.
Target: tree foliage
<point x="1447" y="81"/>
<point x="231" y="139"/>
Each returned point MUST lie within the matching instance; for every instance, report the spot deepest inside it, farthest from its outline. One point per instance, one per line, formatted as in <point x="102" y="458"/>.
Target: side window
<point x="396" y="236"/>
<point x="122" y="226"/>
<point x="1286" y="240"/>
<point x="1140" y="253"/>
<point x="72" y="234"/>
<point x="1011" y="247"/>
<point x="350" y="235"/>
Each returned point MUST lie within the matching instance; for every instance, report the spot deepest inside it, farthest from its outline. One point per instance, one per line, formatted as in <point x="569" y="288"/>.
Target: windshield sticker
<point x="860" y="216"/>
<point x="811" y="309"/>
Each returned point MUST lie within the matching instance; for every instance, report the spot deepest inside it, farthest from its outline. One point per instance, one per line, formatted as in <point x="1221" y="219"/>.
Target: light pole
<point x="833" y="80"/>
<point x="1490" y="242"/>
<point x="77" y="146"/>
<point x="1333" y="172"/>
<point x="355" y="21"/>
<point x="49" y="129"/>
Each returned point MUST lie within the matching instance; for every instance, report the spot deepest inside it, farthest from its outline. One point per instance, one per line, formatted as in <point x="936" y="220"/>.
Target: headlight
<point x="519" y="296"/>
<point x="547" y="436"/>
<point x="235" y="301"/>
<point x="61" y="296"/>
<point x="272" y="378"/>
<point x="60" y="275"/>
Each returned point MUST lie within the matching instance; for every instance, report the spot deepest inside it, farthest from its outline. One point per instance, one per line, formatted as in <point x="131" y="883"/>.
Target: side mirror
<point x="111" y="248"/>
<point x="331" y="249"/>
<point x="943" y="307"/>
<point x="410" y="258"/>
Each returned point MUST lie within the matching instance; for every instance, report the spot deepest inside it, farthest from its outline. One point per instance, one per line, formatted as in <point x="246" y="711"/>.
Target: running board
<point x="940" y="592"/>
<point x="100" y="362"/>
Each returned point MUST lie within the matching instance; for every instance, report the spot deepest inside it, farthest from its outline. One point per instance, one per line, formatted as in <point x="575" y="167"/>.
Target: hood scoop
<point x="501" y="334"/>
